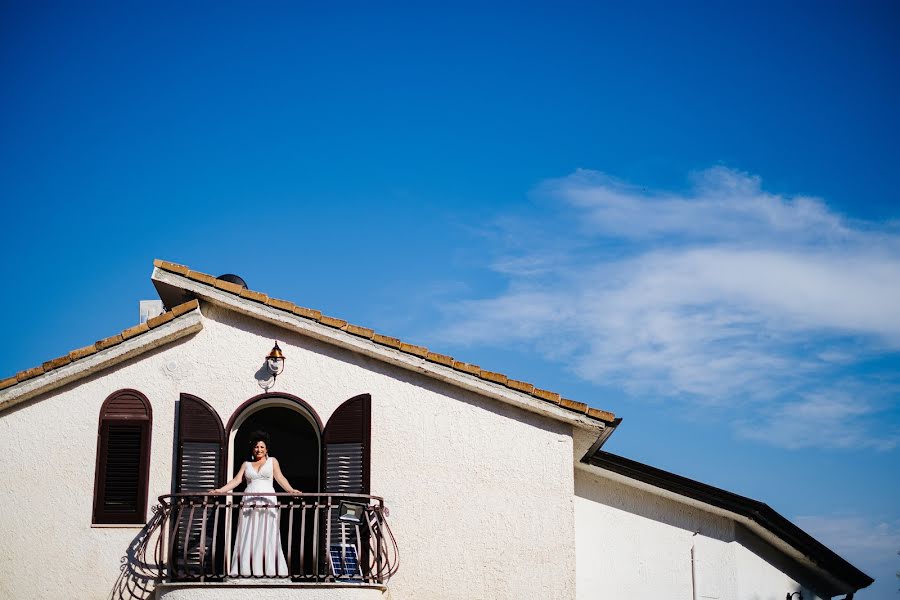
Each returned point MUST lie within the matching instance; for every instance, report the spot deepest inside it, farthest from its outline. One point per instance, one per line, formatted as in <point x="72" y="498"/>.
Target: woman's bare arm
<point x="236" y="481"/>
<point x="280" y="478"/>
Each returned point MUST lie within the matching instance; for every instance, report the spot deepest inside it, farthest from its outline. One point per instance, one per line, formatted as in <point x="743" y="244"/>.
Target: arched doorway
<point x="295" y="433"/>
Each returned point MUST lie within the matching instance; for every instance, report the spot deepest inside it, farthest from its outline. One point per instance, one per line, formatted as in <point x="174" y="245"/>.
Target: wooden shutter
<point x="201" y="446"/>
<point x="346" y="443"/>
<point x="123" y="459"/>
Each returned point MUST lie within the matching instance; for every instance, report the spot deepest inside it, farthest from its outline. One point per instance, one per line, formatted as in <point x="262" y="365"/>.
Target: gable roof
<point x="181" y="320"/>
<point x="758" y="516"/>
<point x="177" y="283"/>
<point x="179" y="287"/>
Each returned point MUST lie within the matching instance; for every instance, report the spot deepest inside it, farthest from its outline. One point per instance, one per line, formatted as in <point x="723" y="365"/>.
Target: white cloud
<point x="722" y="295"/>
<point x="865" y="541"/>
<point x="823" y="418"/>
<point x="723" y="204"/>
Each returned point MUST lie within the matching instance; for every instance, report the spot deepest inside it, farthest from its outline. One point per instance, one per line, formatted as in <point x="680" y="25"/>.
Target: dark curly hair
<point x="259" y="436"/>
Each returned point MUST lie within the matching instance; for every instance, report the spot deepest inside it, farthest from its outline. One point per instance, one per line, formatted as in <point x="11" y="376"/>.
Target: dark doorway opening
<point x="294" y="441"/>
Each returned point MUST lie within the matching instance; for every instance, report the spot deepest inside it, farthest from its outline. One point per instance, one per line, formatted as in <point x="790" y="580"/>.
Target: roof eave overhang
<point x="175" y="288"/>
<point x="186" y="324"/>
<point x="840" y="576"/>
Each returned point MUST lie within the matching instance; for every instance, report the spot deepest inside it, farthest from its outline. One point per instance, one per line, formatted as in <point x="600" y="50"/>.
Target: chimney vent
<point x="150" y="309"/>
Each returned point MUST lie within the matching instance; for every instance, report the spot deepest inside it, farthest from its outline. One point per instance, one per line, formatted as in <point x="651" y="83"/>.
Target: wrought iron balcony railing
<point x="324" y="538"/>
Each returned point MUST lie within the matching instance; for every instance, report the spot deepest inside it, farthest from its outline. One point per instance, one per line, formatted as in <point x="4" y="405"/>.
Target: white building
<point x="493" y="488"/>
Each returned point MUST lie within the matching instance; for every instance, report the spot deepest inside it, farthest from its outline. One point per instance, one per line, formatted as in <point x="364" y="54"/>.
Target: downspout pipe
<point x="693" y="569"/>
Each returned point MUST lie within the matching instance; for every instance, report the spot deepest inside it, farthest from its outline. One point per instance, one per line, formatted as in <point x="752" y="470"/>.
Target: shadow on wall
<point x="653" y="507"/>
<point x="139" y="575"/>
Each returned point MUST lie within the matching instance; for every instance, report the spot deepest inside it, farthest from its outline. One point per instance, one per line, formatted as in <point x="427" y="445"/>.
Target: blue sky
<point x="684" y="214"/>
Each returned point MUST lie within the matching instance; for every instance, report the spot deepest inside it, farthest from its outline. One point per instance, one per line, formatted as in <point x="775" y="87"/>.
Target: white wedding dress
<point x="257" y="548"/>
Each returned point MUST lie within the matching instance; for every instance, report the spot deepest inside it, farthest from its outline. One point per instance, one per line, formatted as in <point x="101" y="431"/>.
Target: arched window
<point x="123" y="459"/>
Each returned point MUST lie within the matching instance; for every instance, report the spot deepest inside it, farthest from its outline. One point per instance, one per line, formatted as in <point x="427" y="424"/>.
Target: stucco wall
<point x="479" y="492"/>
<point x="764" y="573"/>
<point x="268" y="591"/>
<point x="631" y="543"/>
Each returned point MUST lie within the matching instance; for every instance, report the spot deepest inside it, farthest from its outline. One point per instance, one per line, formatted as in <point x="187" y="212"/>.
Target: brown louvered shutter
<point x="123" y="459"/>
<point x="201" y="446"/>
<point x="346" y="443"/>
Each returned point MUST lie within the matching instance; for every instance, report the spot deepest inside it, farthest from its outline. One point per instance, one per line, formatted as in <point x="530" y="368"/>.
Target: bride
<point x="257" y="548"/>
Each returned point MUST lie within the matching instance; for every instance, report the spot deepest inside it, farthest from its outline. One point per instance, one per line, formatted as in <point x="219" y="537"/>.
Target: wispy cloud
<point x="870" y="543"/>
<point x="829" y="418"/>
<point x="721" y="295"/>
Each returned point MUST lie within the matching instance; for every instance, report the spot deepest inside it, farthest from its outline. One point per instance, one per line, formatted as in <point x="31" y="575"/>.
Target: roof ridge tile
<point x="56" y="363"/>
<point x="363" y="332"/>
<point x="229" y="286"/>
<point x="307" y="313"/>
<point x="492" y="376"/>
<point x="386" y="340"/>
<point x="332" y="322"/>
<point x="420" y="351"/>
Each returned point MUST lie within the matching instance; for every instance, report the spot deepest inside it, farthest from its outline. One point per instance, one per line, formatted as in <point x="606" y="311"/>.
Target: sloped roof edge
<point x="338" y="330"/>
<point x="749" y="509"/>
<point x="180" y="321"/>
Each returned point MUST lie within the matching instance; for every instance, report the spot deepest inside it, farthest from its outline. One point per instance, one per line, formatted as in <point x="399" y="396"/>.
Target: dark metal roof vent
<point x="231" y="278"/>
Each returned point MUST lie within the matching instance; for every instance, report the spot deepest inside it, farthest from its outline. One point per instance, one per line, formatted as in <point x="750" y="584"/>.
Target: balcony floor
<point x="244" y="589"/>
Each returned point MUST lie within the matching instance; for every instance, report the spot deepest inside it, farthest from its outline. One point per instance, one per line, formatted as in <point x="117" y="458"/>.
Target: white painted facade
<point x="487" y="498"/>
<point x="458" y="470"/>
<point x="655" y="546"/>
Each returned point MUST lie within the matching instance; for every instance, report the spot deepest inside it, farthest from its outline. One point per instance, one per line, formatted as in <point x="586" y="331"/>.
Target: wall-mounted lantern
<point x="275" y="361"/>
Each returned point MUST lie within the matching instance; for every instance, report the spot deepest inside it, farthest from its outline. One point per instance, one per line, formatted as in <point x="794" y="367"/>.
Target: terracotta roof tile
<point x="109" y="342"/>
<point x="29" y="373"/>
<point x="521" y="386"/>
<point x="185" y="308"/>
<point x="386" y="341"/>
<point x="363" y="332"/>
<point x="255" y="296"/>
<point x="441" y="359"/>
<point x="392" y="342"/>
<point x="280" y="304"/>
<point x="466" y="367"/>
<point x="136" y="330"/>
<point x="170" y="266"/>
<point x="420" y="351"/>
<point x="56" y="363"/>
<point x="82" y="352"/>
<point x="229" y="286"/>
<point x="573" y="405"/>
<point x="105" y="343"/>
<point x="546" y="395"/>
<point x="202" y="278"/>
<point x="332" y="322"/>
<point x="602" y="415"/>
<point x="491" y="376"/>
<point x="309" y="313"/>
<point x="160" y="319"/>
